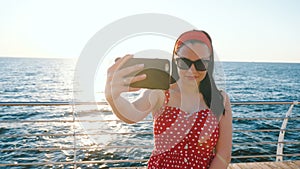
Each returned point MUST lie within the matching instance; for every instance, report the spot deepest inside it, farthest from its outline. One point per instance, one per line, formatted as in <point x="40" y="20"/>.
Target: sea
<point x="47" y="134"/>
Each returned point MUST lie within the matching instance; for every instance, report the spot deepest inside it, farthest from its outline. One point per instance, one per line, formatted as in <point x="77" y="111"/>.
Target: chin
<point x="191" y="80"/>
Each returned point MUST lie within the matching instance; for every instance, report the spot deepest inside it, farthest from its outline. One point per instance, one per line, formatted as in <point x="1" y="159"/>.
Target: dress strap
<point x="167" y="96"/>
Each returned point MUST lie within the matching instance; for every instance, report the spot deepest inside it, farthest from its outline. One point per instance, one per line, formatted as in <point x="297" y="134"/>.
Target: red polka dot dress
<point x="183" y="140"/>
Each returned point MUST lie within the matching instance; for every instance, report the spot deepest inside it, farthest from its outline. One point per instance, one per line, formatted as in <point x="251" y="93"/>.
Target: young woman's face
<point x="192" y="52"/>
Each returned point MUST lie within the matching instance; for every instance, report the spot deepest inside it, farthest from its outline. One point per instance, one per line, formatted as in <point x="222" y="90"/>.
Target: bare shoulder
<point x="227" y="104"/>
<point x="225" y="97"/>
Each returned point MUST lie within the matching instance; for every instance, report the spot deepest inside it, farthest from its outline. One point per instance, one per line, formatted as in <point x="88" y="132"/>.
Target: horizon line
<point x="72" y="58"/>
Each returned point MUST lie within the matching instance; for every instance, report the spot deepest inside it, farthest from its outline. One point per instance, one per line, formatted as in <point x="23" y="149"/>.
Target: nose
<point x="193" y="68"/>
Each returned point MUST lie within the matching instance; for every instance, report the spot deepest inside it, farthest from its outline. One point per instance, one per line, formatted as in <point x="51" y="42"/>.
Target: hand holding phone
<point x="156" y="70"/>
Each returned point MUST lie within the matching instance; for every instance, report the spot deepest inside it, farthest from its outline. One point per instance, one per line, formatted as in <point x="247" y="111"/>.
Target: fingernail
<point x="117" y="59"/>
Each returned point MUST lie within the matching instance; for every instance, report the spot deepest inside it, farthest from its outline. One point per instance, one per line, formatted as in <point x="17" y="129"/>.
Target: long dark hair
<point x="211" y="94"/>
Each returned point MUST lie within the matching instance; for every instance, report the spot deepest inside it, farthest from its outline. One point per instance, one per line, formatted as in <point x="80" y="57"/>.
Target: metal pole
<point x="282" y="133"/>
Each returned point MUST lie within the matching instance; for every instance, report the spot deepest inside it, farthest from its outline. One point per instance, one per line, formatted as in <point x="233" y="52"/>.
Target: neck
<point x="188" y="95"/>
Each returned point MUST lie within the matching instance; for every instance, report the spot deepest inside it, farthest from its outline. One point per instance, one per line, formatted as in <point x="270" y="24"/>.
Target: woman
<point x="192" y="120"/>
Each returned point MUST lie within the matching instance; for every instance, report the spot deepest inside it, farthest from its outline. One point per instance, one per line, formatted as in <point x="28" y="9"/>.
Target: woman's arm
<point x="224" y="144"/>
<point x="117" y="82"/>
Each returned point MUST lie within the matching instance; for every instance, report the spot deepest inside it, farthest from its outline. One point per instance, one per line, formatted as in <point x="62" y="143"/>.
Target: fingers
<point x="126" y="71"/>
<point x="127" y="81"/>
<point x="138" y="78"/>
<point x="133" y="89"/>
<point x="118" y="80"/>
<point x="117" y="59"/>
<point x="119" y="62"/>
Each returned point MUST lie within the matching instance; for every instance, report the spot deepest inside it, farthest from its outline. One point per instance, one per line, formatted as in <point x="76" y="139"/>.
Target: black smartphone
<point x="156" y="70"/>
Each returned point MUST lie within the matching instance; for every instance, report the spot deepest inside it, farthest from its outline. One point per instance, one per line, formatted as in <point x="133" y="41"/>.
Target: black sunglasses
<point x="185" y="64"/>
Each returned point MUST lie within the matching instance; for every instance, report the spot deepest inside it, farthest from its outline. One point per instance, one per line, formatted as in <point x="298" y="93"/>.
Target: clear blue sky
<point x="242" y="30"/>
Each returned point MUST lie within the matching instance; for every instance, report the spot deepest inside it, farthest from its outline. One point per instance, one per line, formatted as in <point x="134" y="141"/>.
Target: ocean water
<point x="23" y="79"/>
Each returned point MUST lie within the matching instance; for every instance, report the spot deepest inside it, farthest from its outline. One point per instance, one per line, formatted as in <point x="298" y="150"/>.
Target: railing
<point x="280" y="143"/>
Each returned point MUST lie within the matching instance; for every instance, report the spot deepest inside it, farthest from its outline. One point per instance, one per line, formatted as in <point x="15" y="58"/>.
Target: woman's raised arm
<point x="117" y="82"/>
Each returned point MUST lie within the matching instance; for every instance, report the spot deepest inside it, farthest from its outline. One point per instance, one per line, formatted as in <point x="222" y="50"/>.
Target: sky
<point x="242" y="30"/>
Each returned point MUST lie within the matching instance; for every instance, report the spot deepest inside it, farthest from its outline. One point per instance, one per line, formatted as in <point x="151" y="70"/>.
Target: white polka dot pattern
<point x="183" y="140"/>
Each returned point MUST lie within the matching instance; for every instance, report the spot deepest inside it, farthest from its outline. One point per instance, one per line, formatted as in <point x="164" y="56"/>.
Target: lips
<point x="192" y="77"/>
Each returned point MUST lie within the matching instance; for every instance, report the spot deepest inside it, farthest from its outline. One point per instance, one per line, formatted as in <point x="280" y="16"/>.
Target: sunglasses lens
<point x="200" y="65"/>
<point x="183" y="63"/>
